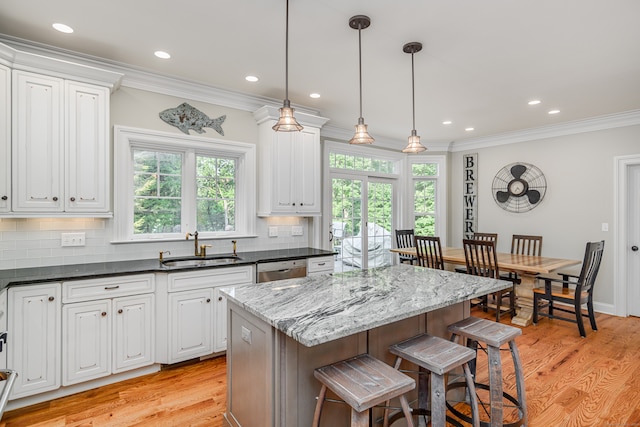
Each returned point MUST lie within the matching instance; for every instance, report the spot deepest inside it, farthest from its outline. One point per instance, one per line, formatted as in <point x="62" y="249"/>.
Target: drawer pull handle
<point x="120" y="311"/>
<point x="104" y="313"/>
<point x="110" y="288"/>
<point x="321" y="263"/>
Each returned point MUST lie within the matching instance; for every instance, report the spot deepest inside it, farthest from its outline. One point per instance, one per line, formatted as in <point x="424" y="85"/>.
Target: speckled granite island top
<point x="317" y="309"/>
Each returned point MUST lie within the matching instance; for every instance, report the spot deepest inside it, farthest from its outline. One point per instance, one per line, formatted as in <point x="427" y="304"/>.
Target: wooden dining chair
<point x="405" y="239"/>
<point x="490" y="237"/>
<point x="481" y="259"/>
<point x="523" y="245"/>
<point x="572" y="291"/>
<point x="429" y="251"/>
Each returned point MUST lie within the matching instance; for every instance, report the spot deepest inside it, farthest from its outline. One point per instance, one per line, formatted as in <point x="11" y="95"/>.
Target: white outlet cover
<point x="273" y="231"/>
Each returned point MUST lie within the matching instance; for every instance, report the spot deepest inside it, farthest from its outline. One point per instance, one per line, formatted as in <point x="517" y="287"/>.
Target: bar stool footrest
<point x="480" y="386"/>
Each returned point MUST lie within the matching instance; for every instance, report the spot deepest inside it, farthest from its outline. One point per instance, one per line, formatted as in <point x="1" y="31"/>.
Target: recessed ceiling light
<point x="469" y="129"/>
<point x="554" y="111"/>
<point x="447" y="122"/>
<point x="534" y="102"/>
<point x="63" y="28"/>
<point x="314" y="95"/>
<point x="162" y="54"/>
<point x="251" y="79"/>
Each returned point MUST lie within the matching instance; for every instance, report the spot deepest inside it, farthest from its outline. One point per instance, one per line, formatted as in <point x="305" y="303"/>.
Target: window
<point x="168" y="185"/>
<point x="427" y="185"/>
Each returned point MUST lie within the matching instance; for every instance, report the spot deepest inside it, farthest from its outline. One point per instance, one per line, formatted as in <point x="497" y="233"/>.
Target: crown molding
<point x="139" y="78"/>
<point x="41" y="62"/>
<point x="610" y="121"/>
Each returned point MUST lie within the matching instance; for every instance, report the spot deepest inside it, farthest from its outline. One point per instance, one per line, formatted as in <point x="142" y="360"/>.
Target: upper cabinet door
<point x="87" y="148"/>
<point x="5" y="139"/>
<point x="37" y="142"/>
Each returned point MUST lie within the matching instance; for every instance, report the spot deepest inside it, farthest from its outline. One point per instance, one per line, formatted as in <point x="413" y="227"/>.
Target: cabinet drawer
<point x="210" y="277"/>
<point x="107" y="287"/>
<point x="320" y="264"/>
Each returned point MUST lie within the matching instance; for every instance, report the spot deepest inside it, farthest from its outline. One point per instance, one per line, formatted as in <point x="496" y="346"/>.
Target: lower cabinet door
<point x="35" y="333"/>
<point x="190" y="324"/>
<point x="86" y="344"/>
<point x="133" y="343"/>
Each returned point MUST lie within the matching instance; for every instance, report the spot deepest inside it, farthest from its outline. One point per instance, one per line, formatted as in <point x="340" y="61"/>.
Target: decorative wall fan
<point x="519" y="187"/>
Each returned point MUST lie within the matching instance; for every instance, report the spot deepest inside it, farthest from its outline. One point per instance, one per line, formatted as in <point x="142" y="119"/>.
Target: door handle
<point x="634" y="248"/>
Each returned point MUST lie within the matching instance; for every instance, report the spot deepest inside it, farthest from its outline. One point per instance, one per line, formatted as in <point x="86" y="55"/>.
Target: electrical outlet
<point x="605" y="226"/>
<point x="246" y="335"/>
<point x="273" y="231"/>
<point x="296" y="230"/>
<point x="73" y="239"/>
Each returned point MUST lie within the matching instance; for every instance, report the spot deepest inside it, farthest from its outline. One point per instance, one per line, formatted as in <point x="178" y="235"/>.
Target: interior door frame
<point x="620" y="239"/>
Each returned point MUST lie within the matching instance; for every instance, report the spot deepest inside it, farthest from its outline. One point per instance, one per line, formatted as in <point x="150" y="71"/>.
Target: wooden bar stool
<point x="363" y="382"/>
<point x="438" y="357"/>
<point x="493" y="335"/>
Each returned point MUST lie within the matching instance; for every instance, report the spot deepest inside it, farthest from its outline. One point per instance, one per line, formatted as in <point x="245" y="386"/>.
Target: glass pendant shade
<point x="287" y="122"/>
<point x="414" y="145"/>
<point x="362" y="135"/>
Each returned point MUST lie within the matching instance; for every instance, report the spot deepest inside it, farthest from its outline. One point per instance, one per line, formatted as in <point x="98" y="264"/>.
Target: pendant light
<point x="287" y="122"/>
<point x="360" y="22"/>
<point x="414" y="145"/>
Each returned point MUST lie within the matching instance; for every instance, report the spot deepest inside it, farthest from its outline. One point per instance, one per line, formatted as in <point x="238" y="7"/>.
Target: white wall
<point x="35" y="242"/>
<point x="580" y="195"/>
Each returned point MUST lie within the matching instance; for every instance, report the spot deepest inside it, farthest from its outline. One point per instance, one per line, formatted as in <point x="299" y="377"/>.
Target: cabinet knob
<point x="294" y="204"/>
<point x="208" y="299"/>
<point x="4" y="197"/>
<point x="55" y="199"/>
<point x="104" y="313"/>
<point x="51" y="298"/>
<point x="73" y="199"/>
<point x="120" y="311"/>
<point x="219" y="298"/>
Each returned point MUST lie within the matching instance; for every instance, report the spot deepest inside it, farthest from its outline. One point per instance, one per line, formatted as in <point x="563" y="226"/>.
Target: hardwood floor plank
<point x="570" y="381"/>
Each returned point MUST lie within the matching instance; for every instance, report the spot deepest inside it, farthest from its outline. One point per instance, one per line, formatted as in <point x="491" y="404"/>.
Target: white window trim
<point x="441" y="192"/>
<point x="126" y="138"/>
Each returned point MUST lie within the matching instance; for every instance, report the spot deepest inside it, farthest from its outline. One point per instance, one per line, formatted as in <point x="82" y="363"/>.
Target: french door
<point x="362" y="221"/>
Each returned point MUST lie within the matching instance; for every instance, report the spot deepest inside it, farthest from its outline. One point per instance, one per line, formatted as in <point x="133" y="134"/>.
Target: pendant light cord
<point x="413" y="93"/>
<point x="360" y="63"/>
<point x="286" y="55"/>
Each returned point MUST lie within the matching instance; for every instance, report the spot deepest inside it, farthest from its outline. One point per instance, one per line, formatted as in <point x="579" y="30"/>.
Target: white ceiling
<point x="482" y="60"/>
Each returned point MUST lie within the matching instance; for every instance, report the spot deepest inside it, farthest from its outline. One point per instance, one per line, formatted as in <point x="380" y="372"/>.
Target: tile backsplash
<point x="37" y="242"/>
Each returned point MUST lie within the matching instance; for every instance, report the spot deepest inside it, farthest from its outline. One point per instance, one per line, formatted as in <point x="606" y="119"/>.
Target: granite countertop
<point x="25" y="276"/>
<point x="317" y="309"/>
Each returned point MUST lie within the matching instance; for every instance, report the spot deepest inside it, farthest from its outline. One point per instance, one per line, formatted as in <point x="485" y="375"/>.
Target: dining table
<point x="528" y="267"/>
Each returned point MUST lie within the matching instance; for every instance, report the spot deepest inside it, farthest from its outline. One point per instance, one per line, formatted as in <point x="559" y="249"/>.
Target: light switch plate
<point x="605" y="226"/>
<point x="296" y="230"/>
<point x="73" y="239"/>
<point x="273" y="231"/>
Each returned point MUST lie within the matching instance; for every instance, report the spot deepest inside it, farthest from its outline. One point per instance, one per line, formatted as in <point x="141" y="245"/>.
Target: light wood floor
<point x="570" y="381"/>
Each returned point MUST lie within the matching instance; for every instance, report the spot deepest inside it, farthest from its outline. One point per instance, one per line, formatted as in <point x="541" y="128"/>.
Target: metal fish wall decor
<point x="186" y="117"/>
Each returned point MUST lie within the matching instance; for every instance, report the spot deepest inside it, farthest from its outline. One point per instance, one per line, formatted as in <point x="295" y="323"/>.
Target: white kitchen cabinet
<point x="320" y="265"/>
<point x="108" y="325"/>
<point x="60" y="145"/>
<point x="195" y="320"/>
<point x="191" y="323"/>
<point x="289" y="169"/>
<point x="5" y="139"/>
<point x="34" y="325"/>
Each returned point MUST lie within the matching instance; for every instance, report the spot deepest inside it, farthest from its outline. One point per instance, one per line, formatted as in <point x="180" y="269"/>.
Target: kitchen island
<point x="279" y="332"/>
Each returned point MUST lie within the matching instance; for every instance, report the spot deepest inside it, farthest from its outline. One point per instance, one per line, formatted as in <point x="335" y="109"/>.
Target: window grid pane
<point x="157" y="180"/>
<point x="216" y="193"/>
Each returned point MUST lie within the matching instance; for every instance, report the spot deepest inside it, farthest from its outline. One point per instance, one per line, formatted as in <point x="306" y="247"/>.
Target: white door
<point x="633" y="243"/>
<point x="191" y="324"/>
<point x="86" y="346"/>
<point x="133" y="332"/>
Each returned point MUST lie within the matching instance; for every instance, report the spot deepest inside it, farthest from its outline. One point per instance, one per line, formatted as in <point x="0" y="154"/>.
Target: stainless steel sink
<point x="201" y="262"/>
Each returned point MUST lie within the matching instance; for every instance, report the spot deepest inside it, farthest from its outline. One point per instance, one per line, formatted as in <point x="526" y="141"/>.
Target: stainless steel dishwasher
<point x="281" y="270"/>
